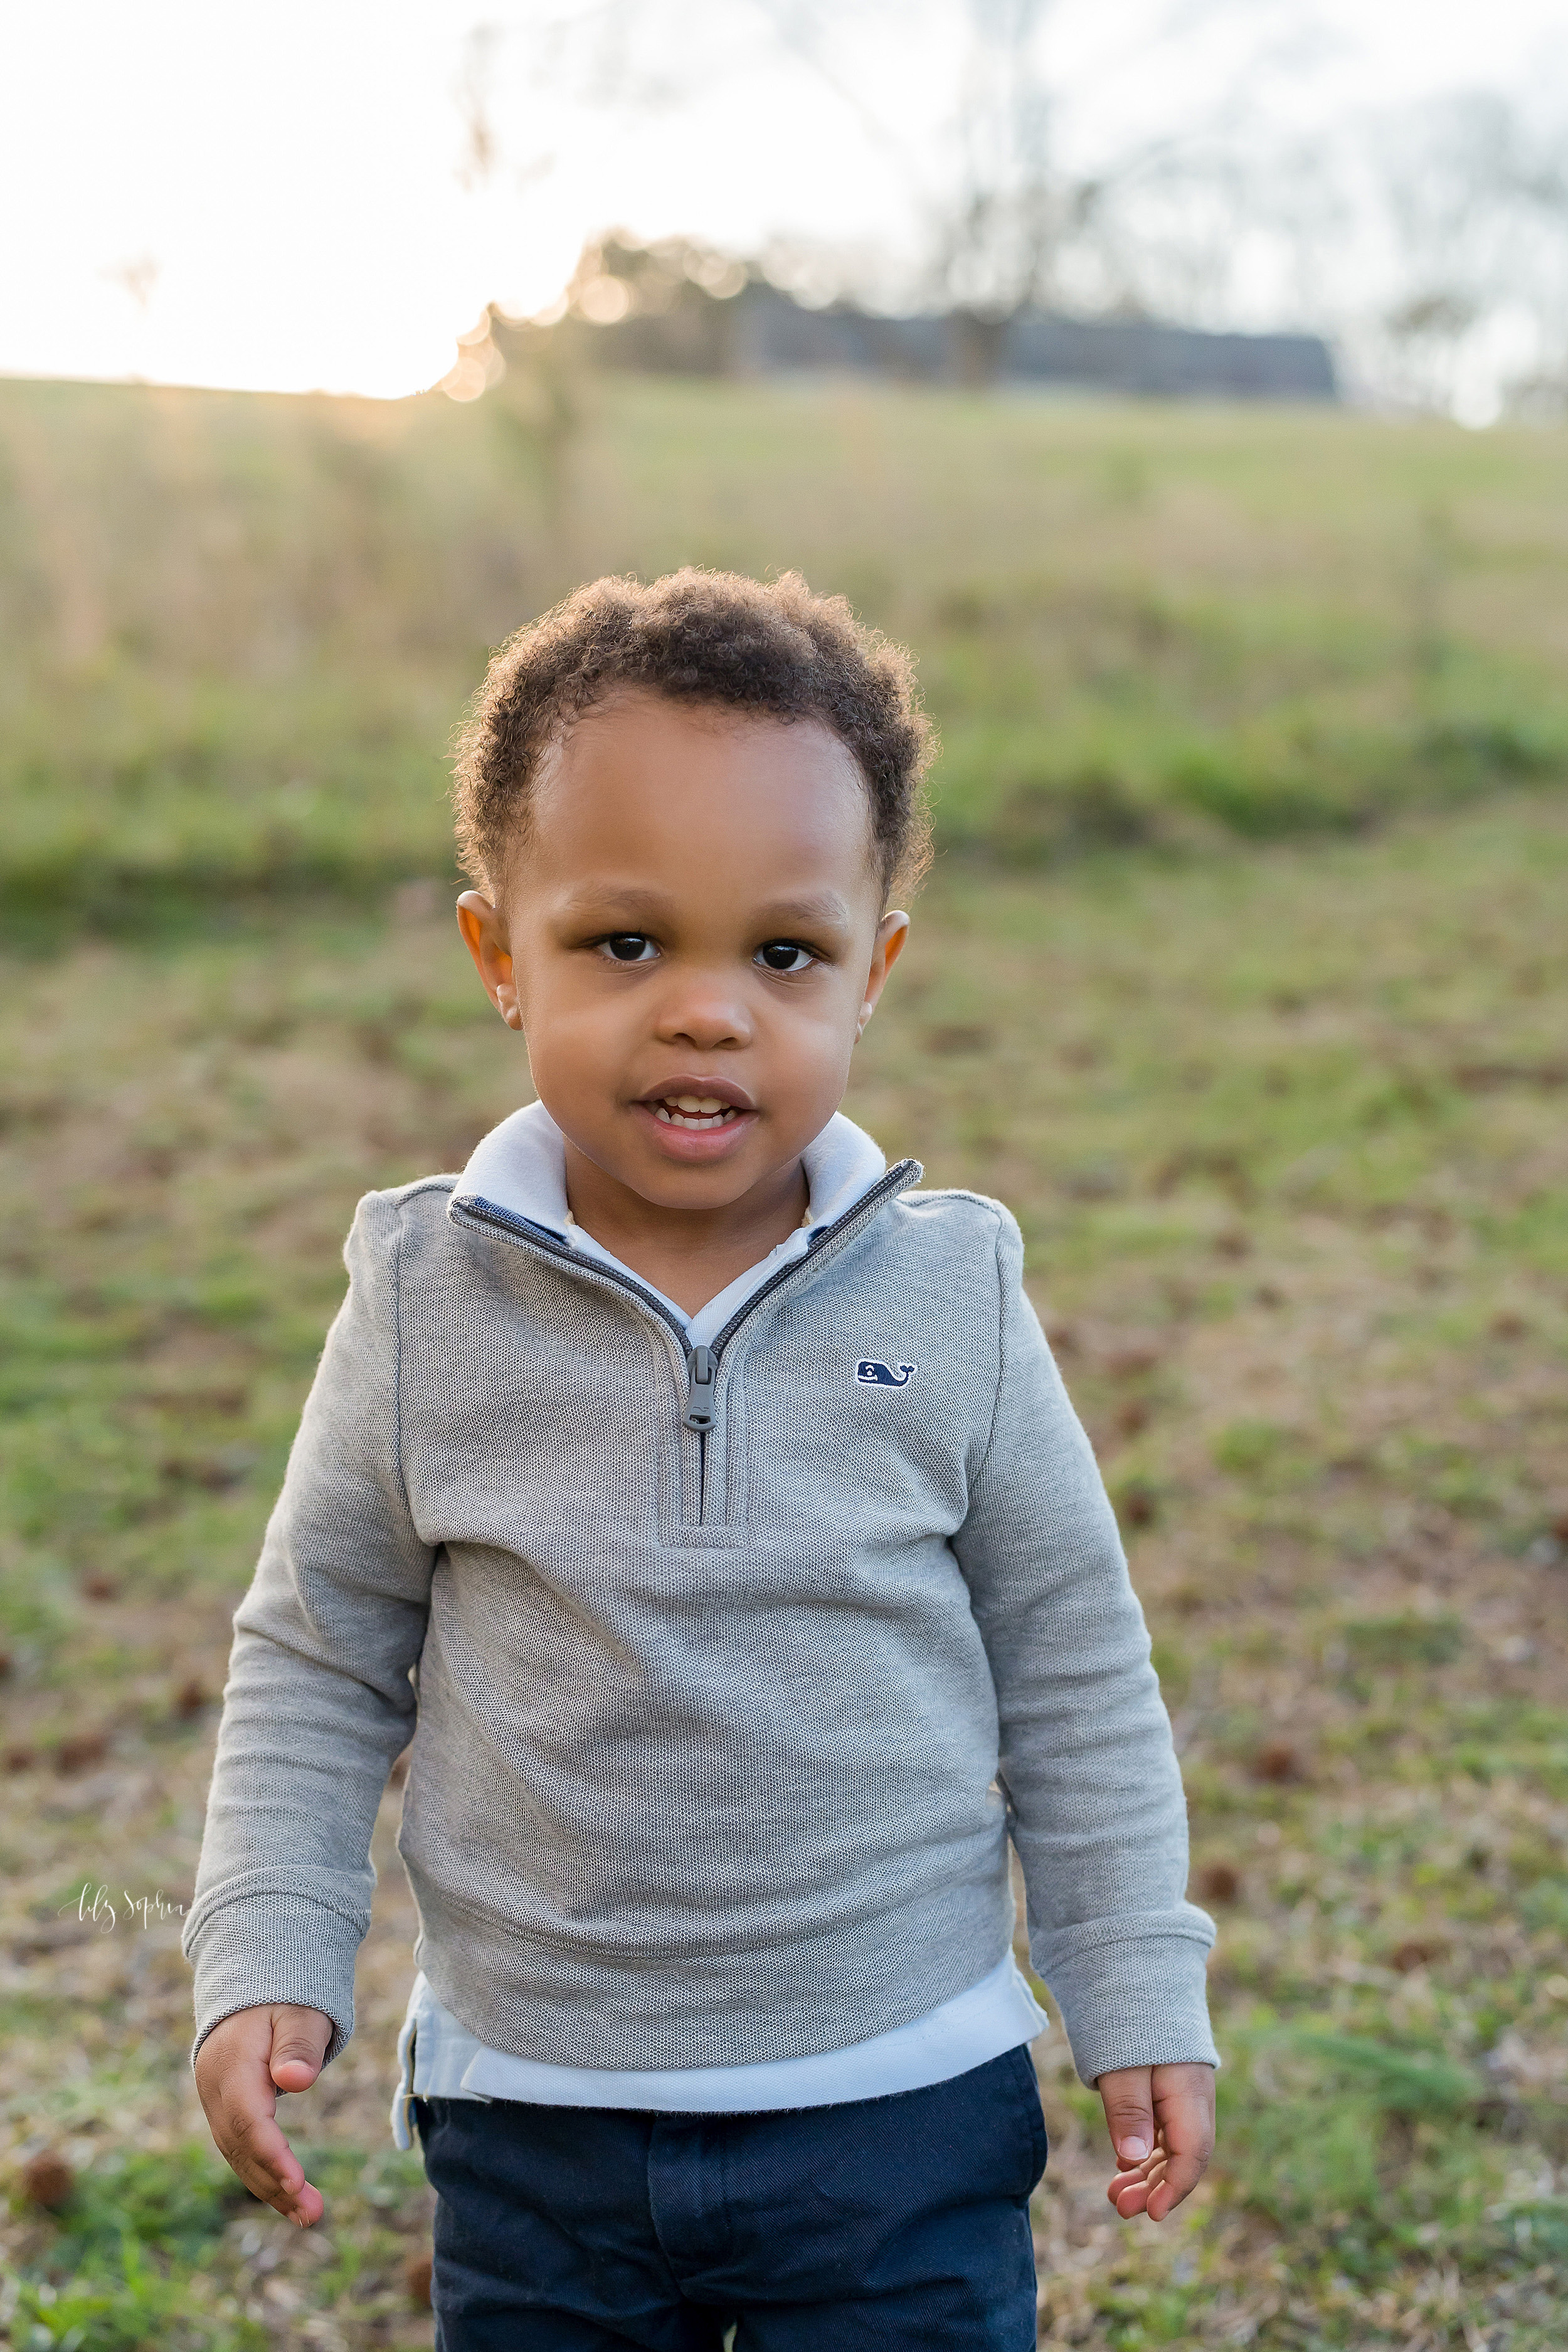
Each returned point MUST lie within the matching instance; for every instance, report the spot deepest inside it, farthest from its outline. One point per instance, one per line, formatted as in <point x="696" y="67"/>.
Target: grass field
<point x="234" y="631"/>
<point x="1282" y="1119"/>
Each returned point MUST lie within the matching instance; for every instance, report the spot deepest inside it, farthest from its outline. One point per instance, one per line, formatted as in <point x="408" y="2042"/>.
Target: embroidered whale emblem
<point x="873" y="1375"/>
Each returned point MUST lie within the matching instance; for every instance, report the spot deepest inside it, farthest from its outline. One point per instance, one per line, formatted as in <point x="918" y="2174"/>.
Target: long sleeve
<point x="319" y="1698"/>
<point x="1088" y="1768"/>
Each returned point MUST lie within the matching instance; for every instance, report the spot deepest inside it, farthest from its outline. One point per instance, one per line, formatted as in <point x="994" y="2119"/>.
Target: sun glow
<point x="284" y="200"/>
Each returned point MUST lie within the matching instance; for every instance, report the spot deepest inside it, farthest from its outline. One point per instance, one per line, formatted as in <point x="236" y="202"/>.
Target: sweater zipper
<point x="701" y="1363"/>
<point x="893" y="1181"/>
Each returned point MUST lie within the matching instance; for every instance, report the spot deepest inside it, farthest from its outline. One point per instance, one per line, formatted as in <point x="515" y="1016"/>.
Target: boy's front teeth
<point x="691" y="1110"/>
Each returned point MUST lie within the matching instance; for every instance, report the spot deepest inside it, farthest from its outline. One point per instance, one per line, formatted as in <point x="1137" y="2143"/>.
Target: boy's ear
<point x="485" y="937"/>
<point x="891" y="933"/>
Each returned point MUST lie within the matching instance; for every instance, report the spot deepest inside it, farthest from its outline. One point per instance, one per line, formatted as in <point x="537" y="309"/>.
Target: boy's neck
<point x="690" y="1255"/>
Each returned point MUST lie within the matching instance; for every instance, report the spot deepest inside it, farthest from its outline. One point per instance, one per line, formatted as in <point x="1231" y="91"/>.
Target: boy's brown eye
<point x="629" y="947"/>
<point x="783" y="955"/>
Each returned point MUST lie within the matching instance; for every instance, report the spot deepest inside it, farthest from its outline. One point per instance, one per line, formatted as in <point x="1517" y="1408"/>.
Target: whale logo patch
<point x="873" y="1375"/>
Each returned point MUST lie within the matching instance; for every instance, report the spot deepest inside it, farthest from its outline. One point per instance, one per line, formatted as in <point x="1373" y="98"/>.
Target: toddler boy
<point x="700" y="1498"/>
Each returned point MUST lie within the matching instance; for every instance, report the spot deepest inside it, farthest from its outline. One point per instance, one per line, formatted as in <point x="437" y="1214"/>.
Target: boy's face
<point x="691" y="938"/>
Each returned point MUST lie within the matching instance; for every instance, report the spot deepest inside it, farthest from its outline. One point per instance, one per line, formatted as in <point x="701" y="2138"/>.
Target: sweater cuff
<point x="258" y="1950"/>
<point x="1131" y="1989"/>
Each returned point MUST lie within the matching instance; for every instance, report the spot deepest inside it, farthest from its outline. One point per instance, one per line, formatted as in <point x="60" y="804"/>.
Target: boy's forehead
<point x="639" y="730"/>
<point x="645" y="780"/>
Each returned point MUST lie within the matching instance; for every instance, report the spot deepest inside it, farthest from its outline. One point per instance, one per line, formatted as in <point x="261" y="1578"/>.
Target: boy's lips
<point x="696" y="1117"/>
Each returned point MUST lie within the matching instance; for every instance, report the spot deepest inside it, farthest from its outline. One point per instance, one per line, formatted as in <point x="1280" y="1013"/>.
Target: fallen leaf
<point x="48" y="2181"/>
<point x="1417" y="1952"/>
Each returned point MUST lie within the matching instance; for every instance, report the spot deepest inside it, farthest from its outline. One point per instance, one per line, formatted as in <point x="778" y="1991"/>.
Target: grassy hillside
<point x="1282" y="1120"/>
<point x="234" y="630"/>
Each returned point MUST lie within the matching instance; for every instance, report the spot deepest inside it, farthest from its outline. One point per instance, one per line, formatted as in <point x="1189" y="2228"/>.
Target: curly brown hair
<point x="709" y="637"/>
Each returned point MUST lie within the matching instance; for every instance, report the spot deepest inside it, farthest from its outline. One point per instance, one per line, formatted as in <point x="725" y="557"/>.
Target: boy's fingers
<point x="300" y="2039"/>
<point x="1130" y="2191"/>
<point x="1186" y="2131"/>
<point x="1167" y="2194"/>
<point x="1128" y="2113"/>
<point x="236" y="2072"/>
<point x="1182" y="2173"/>
<point x="1182" y="2098"/>
<point x="1138" y="2175"/>
<point x="254" y="2147"/>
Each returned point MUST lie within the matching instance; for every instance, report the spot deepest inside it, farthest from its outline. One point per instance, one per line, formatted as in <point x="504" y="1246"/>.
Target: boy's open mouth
<point x="702" y="1111"/>
<point x="699" y="1111"/>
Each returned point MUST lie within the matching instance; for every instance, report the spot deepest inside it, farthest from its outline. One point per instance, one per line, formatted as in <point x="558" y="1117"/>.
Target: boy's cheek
<point x="575" y="1057"/>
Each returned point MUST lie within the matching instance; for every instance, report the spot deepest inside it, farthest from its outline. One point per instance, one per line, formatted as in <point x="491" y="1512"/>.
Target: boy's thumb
<point x="1128" y="2113"/>
<point x="300" y="2039"/>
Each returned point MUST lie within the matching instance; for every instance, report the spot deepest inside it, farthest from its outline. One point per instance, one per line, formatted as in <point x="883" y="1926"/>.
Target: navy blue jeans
<point x="895" y="2223"/>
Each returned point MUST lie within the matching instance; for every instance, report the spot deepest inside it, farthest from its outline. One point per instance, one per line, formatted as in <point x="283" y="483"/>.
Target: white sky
<point x="293" y="171"/>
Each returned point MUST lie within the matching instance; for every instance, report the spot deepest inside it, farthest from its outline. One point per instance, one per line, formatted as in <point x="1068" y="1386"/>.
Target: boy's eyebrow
<point x="814" y="906"/>
<point x="596" y="898"/>
<point x="599" y="901"/>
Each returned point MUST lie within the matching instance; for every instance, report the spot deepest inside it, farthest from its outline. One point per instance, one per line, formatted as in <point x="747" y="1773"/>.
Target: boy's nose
<point x="706" y="1017"/>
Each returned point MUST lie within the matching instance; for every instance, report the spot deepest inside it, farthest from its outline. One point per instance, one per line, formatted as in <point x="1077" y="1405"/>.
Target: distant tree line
<point x="678" y="307"/>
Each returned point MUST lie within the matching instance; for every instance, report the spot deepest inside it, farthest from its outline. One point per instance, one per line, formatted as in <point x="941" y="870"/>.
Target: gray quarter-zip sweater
<point x="729" y="1673"/>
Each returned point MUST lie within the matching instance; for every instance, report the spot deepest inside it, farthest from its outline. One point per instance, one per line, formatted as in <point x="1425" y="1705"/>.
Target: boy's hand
<point x="1160" y="2120"/>
<point x="240" y="2068"/>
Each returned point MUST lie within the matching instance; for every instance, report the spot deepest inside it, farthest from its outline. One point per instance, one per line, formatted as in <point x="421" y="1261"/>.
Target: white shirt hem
<point x="438" y="2058"/>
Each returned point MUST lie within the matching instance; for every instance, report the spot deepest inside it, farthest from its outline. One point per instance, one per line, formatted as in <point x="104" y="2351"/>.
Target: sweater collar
<point x="521" y="1167"/>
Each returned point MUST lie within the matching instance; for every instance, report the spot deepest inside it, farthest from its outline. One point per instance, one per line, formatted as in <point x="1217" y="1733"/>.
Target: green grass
<point x="154" y="2248"/>
<point x="232" y="627"/>
<point x="1281" y="1118"/>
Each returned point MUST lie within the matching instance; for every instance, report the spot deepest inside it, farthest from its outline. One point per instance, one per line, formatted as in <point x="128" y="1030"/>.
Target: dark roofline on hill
<point x="762" y="330"/>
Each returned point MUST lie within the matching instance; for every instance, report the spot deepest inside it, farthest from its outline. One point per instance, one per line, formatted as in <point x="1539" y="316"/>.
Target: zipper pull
<point x="702" y="1370"/>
